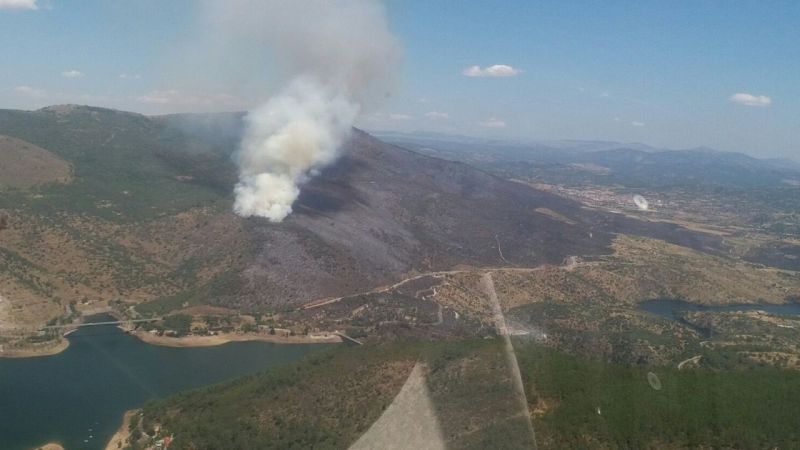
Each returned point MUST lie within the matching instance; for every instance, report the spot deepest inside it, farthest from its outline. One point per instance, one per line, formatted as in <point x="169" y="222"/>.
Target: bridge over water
<point x="344" y="336"/>
<point x="94" y="324"/>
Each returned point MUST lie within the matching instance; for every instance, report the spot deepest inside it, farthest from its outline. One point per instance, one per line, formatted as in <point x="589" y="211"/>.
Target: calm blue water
<point x="671" y="309"/>
<point x="85" y="390"/>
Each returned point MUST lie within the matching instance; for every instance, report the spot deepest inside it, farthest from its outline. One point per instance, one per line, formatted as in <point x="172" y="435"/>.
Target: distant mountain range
<point x="576" y="145"/>
<point x="628" y="163"/>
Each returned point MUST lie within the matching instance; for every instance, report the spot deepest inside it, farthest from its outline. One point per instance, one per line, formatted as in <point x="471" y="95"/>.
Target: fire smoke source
<point x="290" y="136"/>
<point x="338" y="57"/>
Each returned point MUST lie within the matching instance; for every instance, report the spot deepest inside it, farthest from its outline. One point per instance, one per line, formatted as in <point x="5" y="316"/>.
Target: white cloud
<point x="29" y="91"/>
<point x="72" y="74"/>
<point x="400" y="117"/>
<point x="161" y="97"/>
<point x="437" y="115"/>
<point x="493" y="122"/>
<point x="18" y="4"/>
<point x="497" y="70"/>
<point x="177" y="97"/>
<point x="751" y="100"/>
<point x="637" y="123"/>
<point x="126" y="76"/>
<point x="605" y="95"/>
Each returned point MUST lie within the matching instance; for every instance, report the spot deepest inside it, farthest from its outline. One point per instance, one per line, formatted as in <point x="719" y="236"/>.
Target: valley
<point x="388" y="251"/>
<point x="159" y="237"/>
<point x="426" y="225"/>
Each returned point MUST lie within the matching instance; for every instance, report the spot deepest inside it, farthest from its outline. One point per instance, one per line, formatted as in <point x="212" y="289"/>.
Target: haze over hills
<point x="730" y="191"/>
<point x="628" y="163"/>
<point x="466" y="143"/>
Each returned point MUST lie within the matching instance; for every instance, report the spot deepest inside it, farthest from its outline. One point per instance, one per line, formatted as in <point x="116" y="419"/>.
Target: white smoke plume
<point x="336" y="57"/>
<point x="290" y="136"/>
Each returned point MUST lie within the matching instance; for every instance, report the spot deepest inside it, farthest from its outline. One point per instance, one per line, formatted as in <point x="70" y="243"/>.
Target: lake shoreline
<point x="184" y="341"/>
<point x="114" y="372"/>
<point x="224" y="338"/>
<point x="34" y="352"/>
<point x="121" y="437"/>
<point x="50" y="446"/>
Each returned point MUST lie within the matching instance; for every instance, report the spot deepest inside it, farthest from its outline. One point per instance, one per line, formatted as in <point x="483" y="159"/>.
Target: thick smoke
<point x="336" y="57"/>
<point x="290" y="136"/>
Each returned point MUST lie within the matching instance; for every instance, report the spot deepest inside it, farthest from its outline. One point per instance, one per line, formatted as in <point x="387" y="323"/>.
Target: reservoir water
<point x="78" y="397"/>
<point x="672" y="309"/>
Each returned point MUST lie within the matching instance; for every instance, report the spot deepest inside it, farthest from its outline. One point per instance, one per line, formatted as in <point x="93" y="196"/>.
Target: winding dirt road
<point x="571" y="263"/>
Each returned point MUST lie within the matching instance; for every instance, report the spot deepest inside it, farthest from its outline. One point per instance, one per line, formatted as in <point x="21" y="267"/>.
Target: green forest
<point x="330" y="399"/>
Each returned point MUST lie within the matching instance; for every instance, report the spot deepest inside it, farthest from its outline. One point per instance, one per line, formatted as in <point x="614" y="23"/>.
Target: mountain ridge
<point x="160" y="189"/>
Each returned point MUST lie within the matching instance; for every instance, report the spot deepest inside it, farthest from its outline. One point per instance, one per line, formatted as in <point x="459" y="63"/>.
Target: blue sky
<point x="660" y="72"/>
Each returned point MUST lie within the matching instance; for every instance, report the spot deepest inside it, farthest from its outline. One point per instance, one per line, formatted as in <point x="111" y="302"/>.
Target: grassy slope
<point x="324" y="402"/>
<point x="24" y="165"/>
<point x="329" y="400"/>
<point x="140" y="219"/>
<point x="126" y="166"/>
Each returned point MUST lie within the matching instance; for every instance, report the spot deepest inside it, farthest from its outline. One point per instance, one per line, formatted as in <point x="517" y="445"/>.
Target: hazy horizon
<point x="682" y="75"/>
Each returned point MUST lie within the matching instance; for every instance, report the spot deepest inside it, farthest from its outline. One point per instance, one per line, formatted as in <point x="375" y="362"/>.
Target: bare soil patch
<point x="24" y="165"/>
